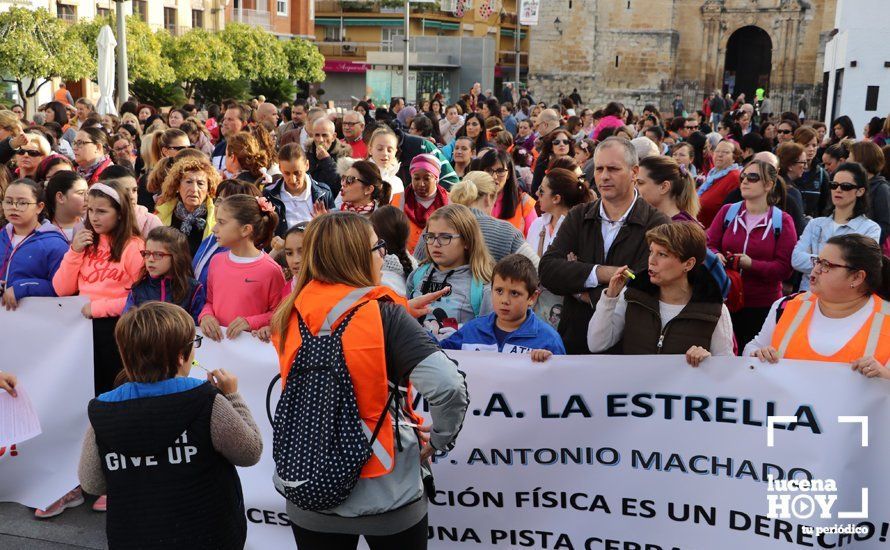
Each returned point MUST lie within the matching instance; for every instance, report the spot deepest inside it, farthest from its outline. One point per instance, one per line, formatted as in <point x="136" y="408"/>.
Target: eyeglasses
<point x="176" y="148"/>
<point x="834" y="186"/>
<point x="441" y="239"/>
<point x="752" y="177"/>
<point x="30" y="152"/>
<point x="154" y="255"/>
<point x="824" y="266"/>
<point x="802" y="162"/>
<point x="81" y="143"/>
<point x="349" y="180"/>
<point x="783" y="131"/>
<point x="196" y="343"/>
<point x="496" y="172"/>
<point x="561" y="142"/>
<point x="18" y="205"/>
<point x="380" y="248"/>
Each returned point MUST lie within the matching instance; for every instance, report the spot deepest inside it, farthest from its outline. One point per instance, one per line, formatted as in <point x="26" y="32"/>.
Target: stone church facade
<point x="646" y="51"/>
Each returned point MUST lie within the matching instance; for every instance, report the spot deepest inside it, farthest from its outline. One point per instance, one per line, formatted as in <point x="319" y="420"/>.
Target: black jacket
<point x="325" y="170"/>
<point x="879" y="197"/>
<point x="581" y="234"/>
<point x="320" y="191"/>
<point x="168" y="486"/>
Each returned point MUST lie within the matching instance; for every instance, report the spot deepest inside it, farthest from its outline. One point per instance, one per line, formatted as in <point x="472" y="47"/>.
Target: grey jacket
<point x="449" y="313"/>
<point x="396" y="501"/>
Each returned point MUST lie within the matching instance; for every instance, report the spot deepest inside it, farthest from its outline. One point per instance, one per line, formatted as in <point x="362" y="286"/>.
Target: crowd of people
<point x="479" y="224"/>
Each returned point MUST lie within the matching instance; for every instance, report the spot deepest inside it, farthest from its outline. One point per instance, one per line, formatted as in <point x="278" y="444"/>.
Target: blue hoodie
<point x="29" y="268"/>
<point x="201" y="262"/>
<point x="478" y="335"/>
<point x="159" y="289"/>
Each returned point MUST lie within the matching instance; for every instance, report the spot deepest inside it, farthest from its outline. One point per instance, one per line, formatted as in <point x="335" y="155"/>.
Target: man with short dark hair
<point x="297" y="118"/>
<point x="234" y="120"/>
<point x="605" y="237"/>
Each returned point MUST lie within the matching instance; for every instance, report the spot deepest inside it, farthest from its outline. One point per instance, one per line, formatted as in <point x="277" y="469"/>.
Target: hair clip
<point x="265" y="205"/>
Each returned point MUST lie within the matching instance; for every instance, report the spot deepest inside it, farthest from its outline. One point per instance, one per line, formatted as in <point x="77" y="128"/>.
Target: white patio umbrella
<point x="106" y="44"/>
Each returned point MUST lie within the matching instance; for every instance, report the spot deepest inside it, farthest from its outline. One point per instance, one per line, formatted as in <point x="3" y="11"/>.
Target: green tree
<point x="198" y="56"/>
<point x="259" y="54"/>
<point x="215" y="91"/>
<point x="36" y="46"/>
<point x="276" y="90"/>
<point x="157" y="94"/>
<point x="144" y="56"/>
<point x="304" y="62"/>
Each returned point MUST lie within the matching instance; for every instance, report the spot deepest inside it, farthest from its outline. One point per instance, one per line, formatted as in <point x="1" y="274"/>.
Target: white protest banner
<point x="528" y="12"/>
<point x="48" y="344"/>
<point x="599" y="452"/>
<point x="621" y="452"/>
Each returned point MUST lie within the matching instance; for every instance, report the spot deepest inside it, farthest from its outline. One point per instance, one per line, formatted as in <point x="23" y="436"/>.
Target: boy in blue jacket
<point x="513" y="327"/>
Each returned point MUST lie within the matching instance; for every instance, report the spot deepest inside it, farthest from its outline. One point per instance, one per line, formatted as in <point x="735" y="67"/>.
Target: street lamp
<point x="557" y="24"/>
<point x="123" y="93"/>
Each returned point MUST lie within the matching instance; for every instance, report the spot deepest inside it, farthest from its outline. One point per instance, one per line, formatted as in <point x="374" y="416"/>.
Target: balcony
<point x="369" y="6"/>
<point x="349" y="50"/>
<point x="254" y="18"/>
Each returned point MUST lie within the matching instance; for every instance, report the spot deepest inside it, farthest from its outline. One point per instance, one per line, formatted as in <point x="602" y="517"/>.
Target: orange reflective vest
<point x="791" y="337"/>
<point x="322" y="307"/>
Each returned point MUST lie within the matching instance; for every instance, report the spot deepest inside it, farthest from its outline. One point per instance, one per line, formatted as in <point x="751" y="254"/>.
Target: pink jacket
<point x="94" y="275"/>
<point x="251" y="290"/>
<point x="770" y="256"/>
<point x="146" y="221"/>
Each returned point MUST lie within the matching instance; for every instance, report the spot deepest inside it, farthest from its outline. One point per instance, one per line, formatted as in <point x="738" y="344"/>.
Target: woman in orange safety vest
<point x="385" y="349"/>
<point x="844" y="316"/>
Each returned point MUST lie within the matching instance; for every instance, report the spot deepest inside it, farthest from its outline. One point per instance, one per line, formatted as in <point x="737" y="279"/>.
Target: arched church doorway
<point x="749" y="55"/>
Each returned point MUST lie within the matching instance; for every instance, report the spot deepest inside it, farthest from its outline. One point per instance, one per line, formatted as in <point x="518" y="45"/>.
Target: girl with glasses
<point x="456" y="258"/>
<point x="755" y="238"/>
<point x="842" y="319"/>
<point x="167" y="275"/>
<point x="849" y="214"/>
<point x="31" y="248"/>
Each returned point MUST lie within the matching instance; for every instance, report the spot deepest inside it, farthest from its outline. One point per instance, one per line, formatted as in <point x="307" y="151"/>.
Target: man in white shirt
<point x="597" y="240"/>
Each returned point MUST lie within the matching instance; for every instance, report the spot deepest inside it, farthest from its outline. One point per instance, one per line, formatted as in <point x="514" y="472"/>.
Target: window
<point x="170" y="20"/>
<point x="333" y="34"/>
<point x="66" y="13"/>
<point x="871" y="98"/>
<point x="102" y="12"/>
<point x="391" y="37"/>
<point x="197" y="19"/>
<point x="281" y="7"/>
<point x="140" y="10"/>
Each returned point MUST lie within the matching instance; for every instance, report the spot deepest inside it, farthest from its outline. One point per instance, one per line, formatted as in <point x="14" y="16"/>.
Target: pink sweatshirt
<point x="146" y="221"/>
<point x="94" y="275"/>
<point x="250" y="290"/>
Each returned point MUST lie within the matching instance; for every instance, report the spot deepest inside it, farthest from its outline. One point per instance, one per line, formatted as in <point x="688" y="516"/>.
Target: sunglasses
<point x="349" y="180"/>
<point x="561" y="142"/>
<point x="752" y="177"/>
<point x="783" y="131"/>
<point x="30" y="152"/>
<point x="834" y="186"/>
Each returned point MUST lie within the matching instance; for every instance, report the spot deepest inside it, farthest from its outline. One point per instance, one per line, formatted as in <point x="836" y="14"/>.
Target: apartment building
<point x="285" y="18"/>
<point x="453" y="43"/>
